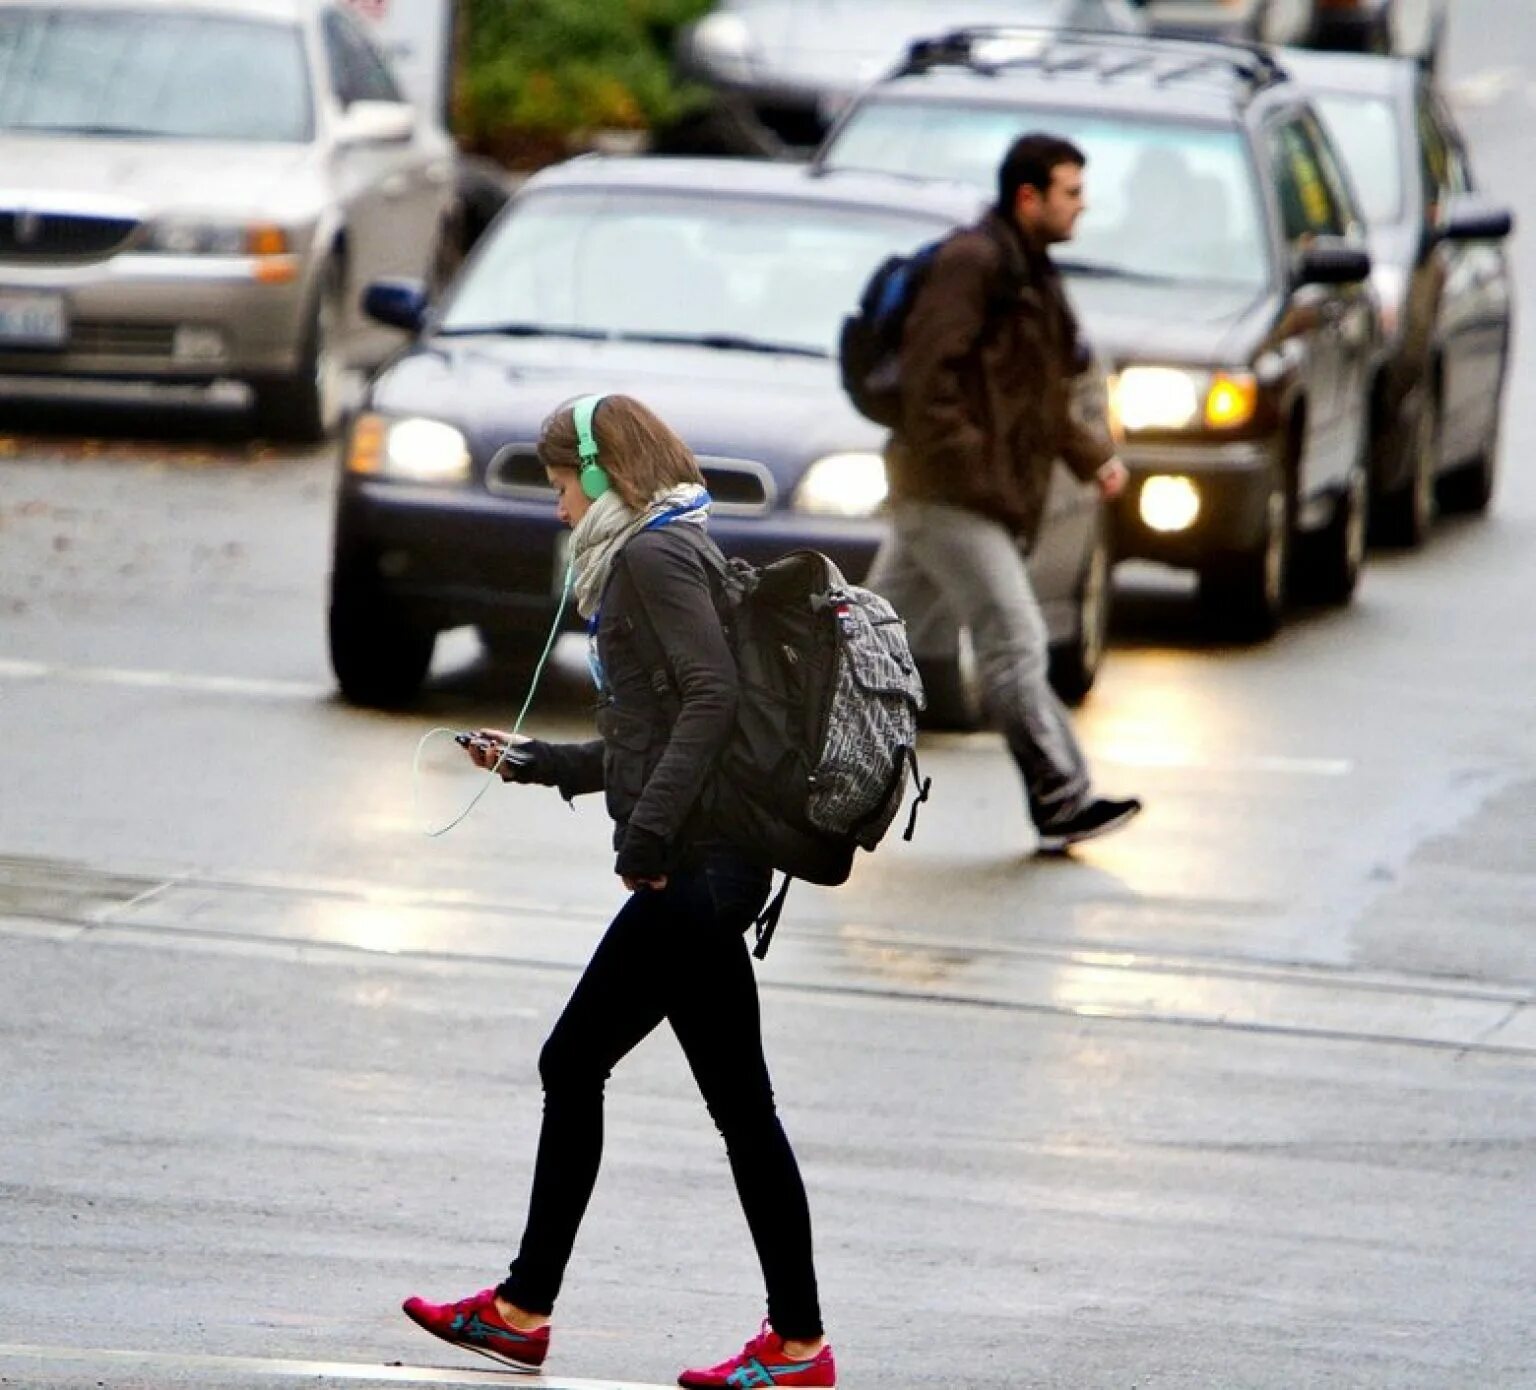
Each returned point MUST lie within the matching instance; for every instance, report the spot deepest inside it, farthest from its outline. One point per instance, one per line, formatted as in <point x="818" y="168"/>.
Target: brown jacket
<point x="989" y="355"/>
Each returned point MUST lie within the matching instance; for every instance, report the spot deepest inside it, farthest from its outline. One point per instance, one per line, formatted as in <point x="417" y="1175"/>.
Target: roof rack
<point x="1105" y="53"/>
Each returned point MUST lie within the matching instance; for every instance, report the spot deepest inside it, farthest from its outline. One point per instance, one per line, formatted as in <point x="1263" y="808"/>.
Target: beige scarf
<point x="609" y="525"/>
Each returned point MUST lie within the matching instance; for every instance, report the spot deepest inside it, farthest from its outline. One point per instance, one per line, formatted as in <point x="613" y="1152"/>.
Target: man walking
<point x="988" y="355"/>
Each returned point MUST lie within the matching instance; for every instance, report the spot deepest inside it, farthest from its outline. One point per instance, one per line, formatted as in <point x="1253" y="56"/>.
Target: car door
<point x="1474" y="295"/>
<point x="1319" y="320"/>
<point x="393" y="191"/>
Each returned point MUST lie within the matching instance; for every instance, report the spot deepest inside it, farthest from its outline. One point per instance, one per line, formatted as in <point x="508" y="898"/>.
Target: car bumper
<point x="1233" y="483"/>
<point x="450" y="558"/>
<point x="163" y="318"/>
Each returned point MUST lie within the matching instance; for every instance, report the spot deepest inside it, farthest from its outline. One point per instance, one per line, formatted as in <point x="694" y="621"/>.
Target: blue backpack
<point x="869" y="350"/>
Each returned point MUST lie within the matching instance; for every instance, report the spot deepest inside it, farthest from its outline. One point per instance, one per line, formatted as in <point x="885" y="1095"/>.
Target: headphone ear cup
<point x="594" y="481"/>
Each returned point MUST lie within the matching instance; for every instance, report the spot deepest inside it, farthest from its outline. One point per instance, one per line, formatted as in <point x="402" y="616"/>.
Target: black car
<point x="1221" y="267"/>
<point x="713" y="290"/>
<point x="793" y="64"/>
<point x="1443" y="281"/>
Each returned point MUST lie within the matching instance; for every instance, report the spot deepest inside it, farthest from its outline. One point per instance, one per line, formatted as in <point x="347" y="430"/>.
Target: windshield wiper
<point x="522" y="330"/>
<point x="726" y="342"/>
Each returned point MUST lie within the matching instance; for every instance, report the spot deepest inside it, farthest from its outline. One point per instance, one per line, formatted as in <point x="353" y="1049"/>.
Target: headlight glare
<point x="1169" y="503"/>
<point x="843" y="485"/>
<point x="1232" y="399"/>
<point x="412" y="449"/>
<point x="1155" y="398"/>
<point x="723" y="43"/>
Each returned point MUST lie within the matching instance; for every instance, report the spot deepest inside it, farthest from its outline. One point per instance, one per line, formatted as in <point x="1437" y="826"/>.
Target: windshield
<point x="152" y="74"/>
<point x="1166" y="201"/>
<point x="687" y="266"/>
<point x="1365" y="131"/>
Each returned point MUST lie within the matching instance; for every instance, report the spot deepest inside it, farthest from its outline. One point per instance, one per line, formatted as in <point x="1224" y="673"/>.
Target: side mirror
<point x="376" y="123"/>
<point x="1469" y="218"/>
<point x="397" y="304"/>
<point x="1329" y="261"/>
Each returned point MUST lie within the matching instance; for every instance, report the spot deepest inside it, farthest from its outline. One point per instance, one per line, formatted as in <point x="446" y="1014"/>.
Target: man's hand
<point x="1112" y="478"/>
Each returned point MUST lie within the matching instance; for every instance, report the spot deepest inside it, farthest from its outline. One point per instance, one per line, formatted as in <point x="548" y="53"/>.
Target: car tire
<point x="1075" y="664"/>
<point x="519" y="647"/>
<point x="1334" y="557"/>
<point x="305" y="408"/>
<point x="1405" y="516"/>
<point x="380" y="659"/>
<point x="1469" y="488"/>
<point x="951" y="694"/>
<point x="1244" y="595"/>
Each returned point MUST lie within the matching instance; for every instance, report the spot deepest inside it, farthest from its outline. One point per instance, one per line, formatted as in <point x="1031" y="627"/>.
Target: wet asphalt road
<point x="1243" y="1097"/>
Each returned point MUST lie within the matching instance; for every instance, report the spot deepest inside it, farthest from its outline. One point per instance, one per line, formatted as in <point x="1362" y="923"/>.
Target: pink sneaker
<point x="474" y="1324"/>
<point x="762" y="1363"/>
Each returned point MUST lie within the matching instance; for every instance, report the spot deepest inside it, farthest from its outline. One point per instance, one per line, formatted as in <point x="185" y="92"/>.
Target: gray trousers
<point x="945" y="568"/>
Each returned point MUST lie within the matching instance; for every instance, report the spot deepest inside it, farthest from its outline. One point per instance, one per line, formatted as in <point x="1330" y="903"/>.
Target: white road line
<point x="1485" y="88"/>
<point x="324" y="1370"/>
<point x="164" y="680"/>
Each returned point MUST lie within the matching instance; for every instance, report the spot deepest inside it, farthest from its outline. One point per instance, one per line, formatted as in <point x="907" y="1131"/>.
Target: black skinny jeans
<point x="677" y="955"/>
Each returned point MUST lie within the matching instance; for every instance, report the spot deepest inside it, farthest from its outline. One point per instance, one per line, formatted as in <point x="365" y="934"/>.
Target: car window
<point x="1365" y="131"/>
<point x="1335" y="178"/>
<point x="1457" y="172"/>
<point x="688" y="264"/>
<point x="1308" y="207"/>
<point x="153" y="73"/>
<point x="1166" y="200"/>
<point x="359" y="72"/>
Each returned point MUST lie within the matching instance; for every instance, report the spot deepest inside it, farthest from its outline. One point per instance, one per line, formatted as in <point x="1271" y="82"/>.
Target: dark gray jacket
<point x="661" y="738"/>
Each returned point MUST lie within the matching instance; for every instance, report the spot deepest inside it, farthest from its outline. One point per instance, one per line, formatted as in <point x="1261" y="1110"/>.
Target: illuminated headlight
<point x="723" y="43"/>
<point x="1171" y="398"/>
<point x="412" y="450"/>
<point x="176" y="237"/>
<point x="1169" y="503"/>
<point x="843" y="485"/>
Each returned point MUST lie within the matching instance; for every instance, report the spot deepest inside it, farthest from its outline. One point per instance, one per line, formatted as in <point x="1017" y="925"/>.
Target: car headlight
<point x="1173" y="398"/>
<point x="412" y="449"/>
<point x="843" y="485"/>
<point x="722" y="42"/>
<point x="185" y="237"/>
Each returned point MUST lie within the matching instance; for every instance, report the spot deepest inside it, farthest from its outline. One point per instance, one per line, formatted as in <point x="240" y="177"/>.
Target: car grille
<point x="122" y="339"/>
<point x="59" y="236"/>
<point x="739" y="487"/>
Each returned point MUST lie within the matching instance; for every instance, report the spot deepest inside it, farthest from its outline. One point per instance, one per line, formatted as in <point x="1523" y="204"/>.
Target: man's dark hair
<point x="1032" y="159"/>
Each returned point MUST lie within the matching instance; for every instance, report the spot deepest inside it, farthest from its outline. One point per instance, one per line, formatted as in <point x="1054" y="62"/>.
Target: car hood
<point x="834" y="44"/>
<point x="138" y="178"/>
<point x="1182" y="323"/>
<point x="784" y="412"/>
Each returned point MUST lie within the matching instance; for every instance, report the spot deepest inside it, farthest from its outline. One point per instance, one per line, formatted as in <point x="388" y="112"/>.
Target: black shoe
<point x="1095" y="819"/>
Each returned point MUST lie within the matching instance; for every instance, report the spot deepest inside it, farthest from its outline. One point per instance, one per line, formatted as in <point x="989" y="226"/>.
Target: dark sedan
<point x="1220" y="266"/>
<point x="714" y="291"/>
<point x="1443" y="280"/>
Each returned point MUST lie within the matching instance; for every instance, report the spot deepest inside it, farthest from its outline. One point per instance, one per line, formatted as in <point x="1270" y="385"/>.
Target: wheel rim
<point x="1094" y="612"/>
<point x="1424" y="473"/>
<point x="328" y="367"/>
<point x="1274" y="551"/>
<point x="1355" y="524"/>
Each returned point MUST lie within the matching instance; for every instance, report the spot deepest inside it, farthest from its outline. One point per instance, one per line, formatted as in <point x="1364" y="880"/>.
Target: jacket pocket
<point x="628" y="743"/>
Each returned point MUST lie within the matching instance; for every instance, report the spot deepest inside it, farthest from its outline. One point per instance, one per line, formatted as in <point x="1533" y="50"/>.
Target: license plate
<point x="32" y="320"/>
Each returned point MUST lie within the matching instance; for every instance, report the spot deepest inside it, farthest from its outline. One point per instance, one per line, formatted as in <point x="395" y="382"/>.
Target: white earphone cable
<point x="493" y="772"/>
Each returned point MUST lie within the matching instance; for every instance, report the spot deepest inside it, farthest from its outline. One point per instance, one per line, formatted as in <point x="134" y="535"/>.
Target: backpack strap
<point x="768" y="919"/>
<point x="924" y="785"/>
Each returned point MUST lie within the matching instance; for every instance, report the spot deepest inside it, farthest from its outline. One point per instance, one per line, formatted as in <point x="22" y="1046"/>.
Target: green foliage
<point x="563" y="67"/>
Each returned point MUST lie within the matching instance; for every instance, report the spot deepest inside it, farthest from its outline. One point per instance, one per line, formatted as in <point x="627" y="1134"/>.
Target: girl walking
<point x="634" y="496"/>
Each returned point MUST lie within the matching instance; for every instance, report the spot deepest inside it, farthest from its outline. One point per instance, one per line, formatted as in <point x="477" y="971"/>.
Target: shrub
<point x="534" y="74"/>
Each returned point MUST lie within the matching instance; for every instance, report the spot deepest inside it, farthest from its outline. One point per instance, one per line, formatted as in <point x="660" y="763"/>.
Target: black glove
<point x="643" y="854"/>
<point x="529" y="763"/>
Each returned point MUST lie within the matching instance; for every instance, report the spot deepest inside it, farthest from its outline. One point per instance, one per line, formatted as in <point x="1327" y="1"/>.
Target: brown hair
<point x="638" y="451"/>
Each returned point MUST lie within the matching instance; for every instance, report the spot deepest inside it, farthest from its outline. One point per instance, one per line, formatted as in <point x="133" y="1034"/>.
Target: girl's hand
<point x="485" y="748"/>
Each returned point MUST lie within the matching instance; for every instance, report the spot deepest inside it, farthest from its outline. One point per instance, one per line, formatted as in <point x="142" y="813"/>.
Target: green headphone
<point x="594" y="481"/>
